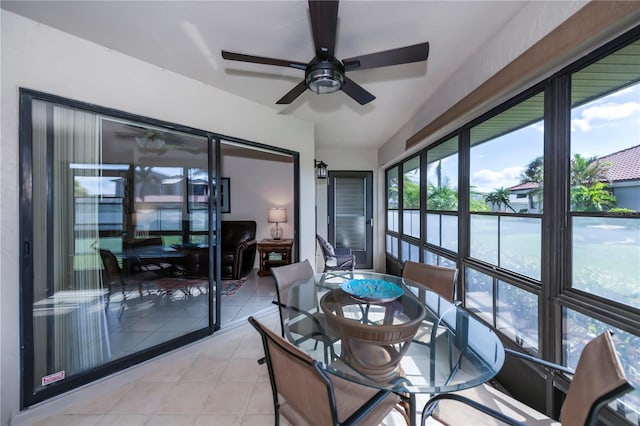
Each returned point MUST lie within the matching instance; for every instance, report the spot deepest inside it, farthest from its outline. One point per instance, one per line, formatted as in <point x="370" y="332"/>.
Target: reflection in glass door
<point x="121" y="229"/>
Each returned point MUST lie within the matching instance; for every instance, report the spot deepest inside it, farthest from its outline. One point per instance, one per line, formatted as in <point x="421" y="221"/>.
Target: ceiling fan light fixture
<point x="324" y="80"/>
<point x="150" y="142"/>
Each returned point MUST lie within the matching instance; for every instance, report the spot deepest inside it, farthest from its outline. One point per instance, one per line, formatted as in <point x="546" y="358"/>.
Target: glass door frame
<point x="30" y="394"/>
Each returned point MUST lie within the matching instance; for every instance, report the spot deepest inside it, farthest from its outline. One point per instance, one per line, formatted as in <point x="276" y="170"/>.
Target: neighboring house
<point x="624" y="176"/>
<point x="526" y="198"/>
<point x="623" y="180"/>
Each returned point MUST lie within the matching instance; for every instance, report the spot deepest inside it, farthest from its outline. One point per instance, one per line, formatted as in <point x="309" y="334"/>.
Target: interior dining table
<point x="383" y="331"/>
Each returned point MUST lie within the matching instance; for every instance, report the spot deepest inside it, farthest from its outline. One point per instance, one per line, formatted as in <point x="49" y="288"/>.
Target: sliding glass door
<point x="119" y="242"/>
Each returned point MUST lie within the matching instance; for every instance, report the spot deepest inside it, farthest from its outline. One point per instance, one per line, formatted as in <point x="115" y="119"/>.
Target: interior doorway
<point x="258" y="178"/>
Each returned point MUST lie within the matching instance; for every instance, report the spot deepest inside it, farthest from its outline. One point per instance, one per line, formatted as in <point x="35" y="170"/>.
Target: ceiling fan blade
<point x="324" y="21"/>
<point x="262" y="60"/>
<point x="402" y="55"/>
<point x="356" y="92"/>
<point x="293" y="93"/>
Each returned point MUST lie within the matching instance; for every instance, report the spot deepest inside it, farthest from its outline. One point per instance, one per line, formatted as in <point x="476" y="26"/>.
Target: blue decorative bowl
<point x="372" y="291"/>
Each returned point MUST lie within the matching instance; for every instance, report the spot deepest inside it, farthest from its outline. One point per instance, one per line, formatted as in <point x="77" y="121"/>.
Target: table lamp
<point x="277" y="215"/>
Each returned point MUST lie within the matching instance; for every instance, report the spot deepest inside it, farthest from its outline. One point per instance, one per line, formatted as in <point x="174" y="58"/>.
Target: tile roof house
<point x="623" y="179"/>
<point x="624" y="176"/>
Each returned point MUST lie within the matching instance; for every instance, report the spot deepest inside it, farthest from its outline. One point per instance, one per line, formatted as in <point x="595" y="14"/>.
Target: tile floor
<point x="215" y="381"/>
<point x="256" y="294"/>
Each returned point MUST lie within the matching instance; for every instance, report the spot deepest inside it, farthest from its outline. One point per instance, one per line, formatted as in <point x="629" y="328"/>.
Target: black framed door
<point x="350" y="213"/>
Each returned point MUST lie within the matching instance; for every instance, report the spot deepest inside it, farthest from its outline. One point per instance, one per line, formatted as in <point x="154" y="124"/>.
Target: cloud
<point x="538" y="126"/>
<point x="605" y="112"/>
<point x="486" y="180"/>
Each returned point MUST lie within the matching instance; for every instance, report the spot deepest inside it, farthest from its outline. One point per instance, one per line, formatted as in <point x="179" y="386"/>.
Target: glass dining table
<point x="388" y="333"/>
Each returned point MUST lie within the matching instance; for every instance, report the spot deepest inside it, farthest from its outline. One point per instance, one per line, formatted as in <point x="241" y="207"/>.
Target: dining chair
<point x="598" y="379"/>
<point x="112" y="276"/>
<point x="304" y="394"/>
<point x="336" y="259"/>
<point x="295" y="301"/>
<point x="440" y="279"/>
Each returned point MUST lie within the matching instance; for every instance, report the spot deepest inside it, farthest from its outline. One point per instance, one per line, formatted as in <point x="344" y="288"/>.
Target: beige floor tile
<point x="261" y="401"/>
<point x="250" y="348"/>
<point x="171" y="420"/>
<point x="241" y="370"/>
<point x="123" y="420"/>
<point x="218" y="420"/>
<point x="143" y="398"/>
<point x="222" y="350"/>
<point x="263" y="375"/>
<point x="185" y="398"/>
<point x="229" y="398"/>
<point x="257" y="420"/>
<point x="170" y="369"/>
<point x="103" y="403"/>
<point x="71" y="420"/>
<point x="205" y="369"/>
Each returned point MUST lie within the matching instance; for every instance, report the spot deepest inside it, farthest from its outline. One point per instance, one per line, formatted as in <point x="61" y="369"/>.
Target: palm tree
<point x="498" y="198"/>
<point x="442" y="197"/>
<point x="588" y="188"/>
<point x="587" y="170"/>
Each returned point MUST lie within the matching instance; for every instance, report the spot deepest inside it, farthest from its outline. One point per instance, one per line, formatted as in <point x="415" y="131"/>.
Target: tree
<point x="78" y="190"/>
<point x="588" y="188"/>
<point x="534" y="171"/>
<point x="498" y="198"/>
<point x="442" y="197"/>
<point x="586" y="198"/>
<point x="410" y="194"/>
<point x="588" y="170"/>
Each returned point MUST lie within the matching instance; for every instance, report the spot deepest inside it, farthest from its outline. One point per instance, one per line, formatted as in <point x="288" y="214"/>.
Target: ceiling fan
<point x="326" y="74"/>
<point x="153" y="141"/>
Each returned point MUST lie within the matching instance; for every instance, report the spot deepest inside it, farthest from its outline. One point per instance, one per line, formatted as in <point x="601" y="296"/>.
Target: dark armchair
<point x="238" y="248"/>
<point x="336" y="259"/>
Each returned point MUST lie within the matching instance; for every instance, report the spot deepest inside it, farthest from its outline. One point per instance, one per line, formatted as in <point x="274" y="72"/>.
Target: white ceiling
<point x="187" y="38"/>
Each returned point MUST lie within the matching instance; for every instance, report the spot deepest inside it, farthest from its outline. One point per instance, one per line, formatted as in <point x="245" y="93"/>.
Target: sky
<point x="601" y="127"/>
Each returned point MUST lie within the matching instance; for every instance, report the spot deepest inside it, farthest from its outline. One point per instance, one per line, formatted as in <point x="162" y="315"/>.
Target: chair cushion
<point x="327" y="248"/>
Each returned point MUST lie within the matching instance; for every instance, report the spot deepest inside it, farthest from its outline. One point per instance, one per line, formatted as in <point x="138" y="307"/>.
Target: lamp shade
<point x="277" y="215"/>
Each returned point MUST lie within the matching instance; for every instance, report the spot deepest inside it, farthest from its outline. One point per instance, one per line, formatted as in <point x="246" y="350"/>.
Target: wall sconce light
<point x="277" y="215"/>
<point x="321" y="169"/>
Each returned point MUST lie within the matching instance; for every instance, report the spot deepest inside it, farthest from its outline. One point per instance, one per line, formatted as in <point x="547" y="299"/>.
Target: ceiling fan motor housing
<point x="323" y="76"/>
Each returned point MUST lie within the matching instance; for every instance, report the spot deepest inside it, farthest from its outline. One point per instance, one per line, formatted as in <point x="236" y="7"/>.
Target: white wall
<point x="38" y="57"/>
<point x="257" y="185"/>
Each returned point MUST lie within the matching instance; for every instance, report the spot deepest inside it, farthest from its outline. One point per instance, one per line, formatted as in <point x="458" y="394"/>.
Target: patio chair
<point x="304" y="394"/>
<point x="599" y="378"/>
<point x="112" y="276"/>
<point x="436" y="278"/>
<point x="295" y="302"/>
<point x="336" y="259"/>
